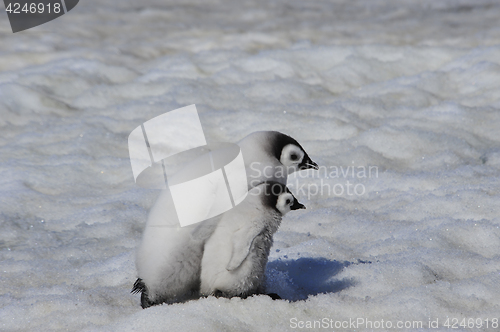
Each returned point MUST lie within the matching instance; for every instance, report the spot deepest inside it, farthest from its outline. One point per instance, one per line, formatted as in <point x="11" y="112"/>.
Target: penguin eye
<point x="293" y="156"/>
<point x="288" y="201"/>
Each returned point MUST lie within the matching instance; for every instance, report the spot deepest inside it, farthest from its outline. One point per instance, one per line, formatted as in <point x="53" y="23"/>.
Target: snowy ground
<point x="410" y="87"/>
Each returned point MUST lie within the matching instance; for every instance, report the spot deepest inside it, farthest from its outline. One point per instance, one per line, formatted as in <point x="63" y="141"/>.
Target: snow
<point x="409" y="87"/>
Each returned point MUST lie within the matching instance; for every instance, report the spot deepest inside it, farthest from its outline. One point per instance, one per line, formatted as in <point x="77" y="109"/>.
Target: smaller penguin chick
<point x="235" y="256"/>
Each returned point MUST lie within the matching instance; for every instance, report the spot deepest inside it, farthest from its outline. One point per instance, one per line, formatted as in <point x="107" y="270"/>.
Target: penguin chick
<point x="168" y="260"/>
<point x="235" y="256"/>
<point x="272" y="156"/>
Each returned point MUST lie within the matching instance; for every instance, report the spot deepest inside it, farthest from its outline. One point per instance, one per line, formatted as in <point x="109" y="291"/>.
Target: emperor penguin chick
<point x="235" y="256"/>
<point x="169" y="257"/>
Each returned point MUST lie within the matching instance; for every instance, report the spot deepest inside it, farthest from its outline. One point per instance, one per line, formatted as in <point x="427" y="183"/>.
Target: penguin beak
<point x="307" y="163"/>
<point x="296" y="205"/>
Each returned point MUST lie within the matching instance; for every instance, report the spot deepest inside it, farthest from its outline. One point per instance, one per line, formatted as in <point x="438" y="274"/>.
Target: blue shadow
<point x="296" y="280"/>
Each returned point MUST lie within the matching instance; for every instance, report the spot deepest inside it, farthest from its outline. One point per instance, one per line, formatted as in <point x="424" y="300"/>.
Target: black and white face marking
<point x="290" y="153"/>
<point x="276" y="195"/>
<point x="292" y="156"/>
<point x="287" y="202"/>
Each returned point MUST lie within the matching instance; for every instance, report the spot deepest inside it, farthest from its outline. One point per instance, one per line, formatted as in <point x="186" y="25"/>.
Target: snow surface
<point x="410" y="87"/>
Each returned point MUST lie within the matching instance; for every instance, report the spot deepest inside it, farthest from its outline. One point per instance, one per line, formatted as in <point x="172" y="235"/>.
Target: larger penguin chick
<point x="235" y="256"/>
<point x="168" y="259"/>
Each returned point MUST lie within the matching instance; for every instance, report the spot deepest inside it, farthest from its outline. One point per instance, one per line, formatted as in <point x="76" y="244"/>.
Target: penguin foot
<point x="217" y="293"/>
<point x="274" y="296"/>
<point x="140" y="287"/>
<point x="145" y="303"/>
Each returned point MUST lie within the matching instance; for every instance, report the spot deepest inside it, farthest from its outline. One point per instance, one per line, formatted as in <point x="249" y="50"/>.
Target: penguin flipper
<point x="242" y="242"/>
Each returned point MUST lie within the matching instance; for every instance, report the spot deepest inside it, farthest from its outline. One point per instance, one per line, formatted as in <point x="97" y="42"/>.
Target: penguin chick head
<point x="295" y="158"/>
<point x="290" y="153"/>
<point x="277" y="196"/>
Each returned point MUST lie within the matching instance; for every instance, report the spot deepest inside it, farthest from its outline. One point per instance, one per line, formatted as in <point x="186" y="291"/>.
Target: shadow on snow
<point x="296" y="280"/>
